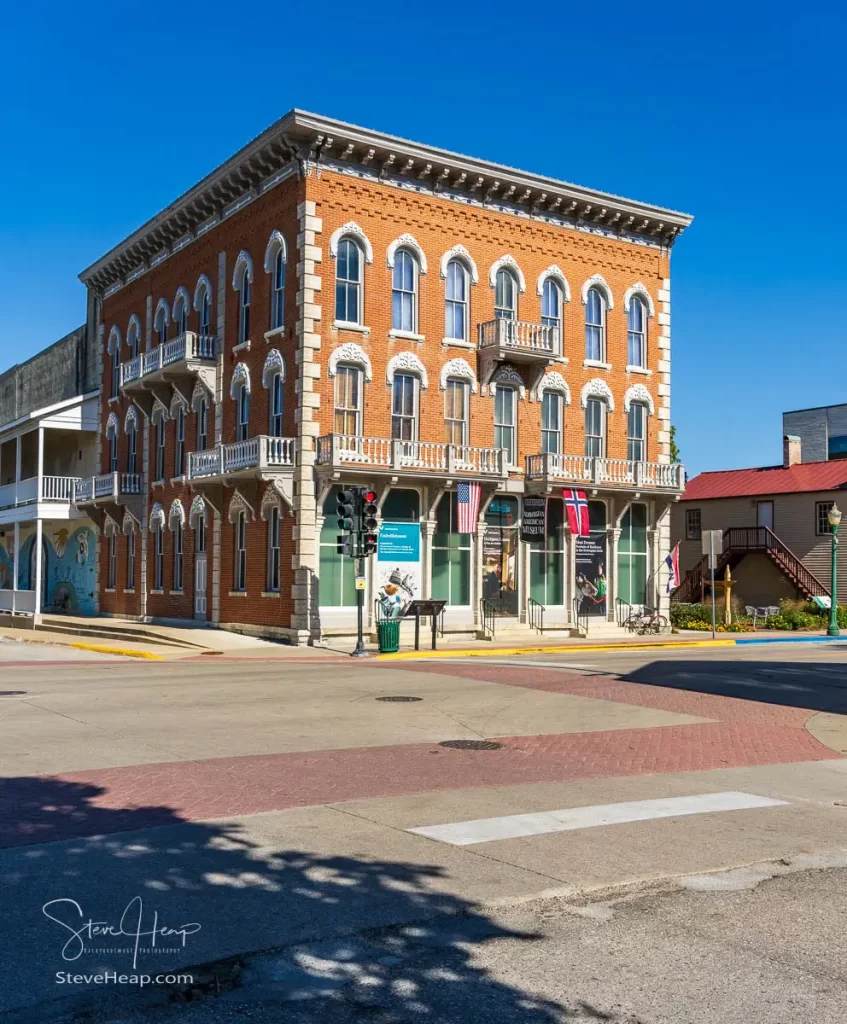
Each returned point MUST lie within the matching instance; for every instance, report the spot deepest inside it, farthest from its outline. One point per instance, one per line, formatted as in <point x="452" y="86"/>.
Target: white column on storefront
<point x="17" y="555"/>
<point x="39" y="568"/>
<point x="570" y="571"/>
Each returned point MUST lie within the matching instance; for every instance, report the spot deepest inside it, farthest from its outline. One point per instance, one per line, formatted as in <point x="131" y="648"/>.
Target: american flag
<point x="467" y="502"/>
<point x="577" y="506"/>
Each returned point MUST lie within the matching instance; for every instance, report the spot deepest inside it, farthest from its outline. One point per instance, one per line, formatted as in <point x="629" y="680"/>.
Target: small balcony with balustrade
<point x="109" y="492"/>
<point x="244" y="464"/>
<point x="384" y="456"/>
<point x="521" y="343"/>
<point x="177" y="363"/>
<point x="553" y="469"/>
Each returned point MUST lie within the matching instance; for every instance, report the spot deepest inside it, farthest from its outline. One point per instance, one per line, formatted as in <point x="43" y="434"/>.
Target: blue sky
<point x="733" y="112"/>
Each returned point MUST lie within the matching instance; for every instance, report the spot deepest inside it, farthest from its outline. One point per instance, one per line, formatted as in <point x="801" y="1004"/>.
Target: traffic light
<point x="346" y="510"/>
<point x="369" y="522"/>
<point x="344" y="545"/>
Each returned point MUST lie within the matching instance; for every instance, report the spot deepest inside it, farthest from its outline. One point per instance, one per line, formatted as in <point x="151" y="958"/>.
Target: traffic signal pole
<point x="357" y="520"/>
<point x="360" y="651"/>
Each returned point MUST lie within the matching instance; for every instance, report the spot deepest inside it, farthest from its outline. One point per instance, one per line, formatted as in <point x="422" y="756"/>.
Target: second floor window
<point x="242" y="428"/>
<point x="113" y="557"/>
<point x="181" y="315"/>
<point x="131" y="448"/>
<point x="179" y="443"/>
<point x="244" y="309"/>
<point x="551" y="422"/>
<point x="403" y="411"/>
<point x="504" y="422"/>
<point x="505" y="296"/>
<point x="278" y="290"/>
<point x="202" y="425"/>
<point x="456" y="412"/>
<point x="113" y="453"/>
<point x="276" y="405"/>
<point x="404" y="313"/>
<point x="551" y="307"/>
<point x="158" y="558"/>
<point x="456" y="302"/>
<point x="273" y="551"/>
<point x="240" y="580"/>
<point x="595" y="427"/>
<point x="160" y="323"/>
<point x="636" y="322"/>
<point x="160" y="449"/>
<point x="132" y="339"/>
<point x="116" y="371"/>
<point x="348" y="397"/>
<point x="693" y="526"/>
<point x="636" y="432"/>
<point x="179" y="561"/>
<point x="595" y="326"/>
<point x="204" y="313"/>
<point x="348" y="282"/>
<point x="130" y="560"/>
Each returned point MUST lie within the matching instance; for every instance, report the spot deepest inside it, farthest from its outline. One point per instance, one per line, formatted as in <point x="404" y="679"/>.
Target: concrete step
<point x="98" y="631"/>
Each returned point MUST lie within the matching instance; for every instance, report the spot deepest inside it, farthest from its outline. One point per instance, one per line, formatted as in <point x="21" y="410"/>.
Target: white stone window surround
<point x="350" y="353"/>
<point x="182" y="296"/>
<point x="406" y="241"/>
<point x="638" y="393"/>
<point x="276" y="242"/>
<point x="203" y="284"/>
<point x="507" y="262"/>
<point x="597" y="388"/>
<point x="406" y="362"/>
<point x="555" y="273"/>
<point x="459" y="252"/>
<point x="553" y="381"/>
<point x="460" y="369"/>
<point x="157" y="517"/>
<point x="598" y="281"/>
<point x="240" y="379"/>
<point x="198" y="510"/>
<point x="162" y="315"/>
<point x="274" y="363"/>
<point x="640" y="290"/>
<point x="113" y="426"/>
<point x="596" y="364"/>
<point x="243" y="265"/>
<point x="114" y="343"/>
<point x="507" y="375"/>
<point x="176" y="515"/>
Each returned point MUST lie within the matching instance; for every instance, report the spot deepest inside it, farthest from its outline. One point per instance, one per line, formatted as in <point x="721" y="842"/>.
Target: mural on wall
<point x="68" y="566"/>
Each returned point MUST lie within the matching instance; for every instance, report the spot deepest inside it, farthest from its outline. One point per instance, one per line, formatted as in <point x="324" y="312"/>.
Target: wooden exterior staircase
<point x="745" y="540"/>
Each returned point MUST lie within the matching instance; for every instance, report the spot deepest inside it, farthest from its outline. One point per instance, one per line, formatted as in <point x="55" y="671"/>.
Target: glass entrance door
<point x="500" y="556"/>
<point x="547" y="560"/>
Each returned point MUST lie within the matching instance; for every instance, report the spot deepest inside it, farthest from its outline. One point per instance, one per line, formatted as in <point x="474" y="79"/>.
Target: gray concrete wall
<point x="58" y="373"/>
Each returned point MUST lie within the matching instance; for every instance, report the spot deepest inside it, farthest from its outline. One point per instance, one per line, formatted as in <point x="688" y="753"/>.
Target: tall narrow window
<point x="551" y="310"/>
<point x="595" y="427"/>
<point x="160" y="323"/>
<point x="403" y="408"/>
<point x="113" y="453"/>
<point x="204" y="313"/>
<point x="242" y="429"/>
<point x="456" y="304"/>
<point x="456" y="412"/>
<point x="504" y="422"/>
<point x="636" y="322"/>
<point x="278" y="290"/>
<point x="113" y="555"/>
<point x="202" y="425"/>
<point x="158" y="557"/>
<point x="131" y="448"/>
<point x="181" y="314"/>
<point x="160" y="447"/>
<point x="244" y="309"/>
<point x="595" y="326"/>
<point x="116" y="371"/>
<point x="240" y="581"/>
<point x="132" y="338"/>
<point x="348" y="282"/>
<point x="276" y="405"/>
<point x="505" y="296"/>
<point x="200" y="535"/>
<point x="404" y="294"/>
<point x="348" y="397"/>
<point x="179" y="537"/>
<point x="273" y="550"/>
<point x="636" y="432"/>
<point x="179" y="443"/>
<point x="551" y="422"/>
<point x="130" y="560"/>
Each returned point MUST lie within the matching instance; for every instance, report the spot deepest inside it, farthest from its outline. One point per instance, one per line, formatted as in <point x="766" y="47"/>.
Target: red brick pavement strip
<point x="37" y="810"/>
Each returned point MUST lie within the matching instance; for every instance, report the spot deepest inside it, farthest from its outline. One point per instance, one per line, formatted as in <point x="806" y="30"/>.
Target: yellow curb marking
<point x="125" y="652"/>
<point x="475" y="652"/>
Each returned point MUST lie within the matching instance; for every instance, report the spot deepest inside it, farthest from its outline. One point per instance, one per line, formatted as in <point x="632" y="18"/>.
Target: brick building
<point x="337" y="306"/>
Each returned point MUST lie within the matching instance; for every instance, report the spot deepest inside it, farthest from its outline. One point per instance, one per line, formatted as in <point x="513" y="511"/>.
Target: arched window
<point x="278" y="290"/>
<point x="203" y="305"/>
<point x="505" y="421"/>
<point x="131" y="447"/>
<point x="636" y="323"/>
<point x="201" y="410"/>
<point x="404" y="407"/>
<point x="273" y="549"/>
<point x="112" y="428"/>
<point x="130" y="560"/>
<point x="552" y="429"/>
<point x="176" y="522"/>
<point x="505" y="296"/>
<point x="179" y="441"/>
<point x="348" y="400"/>
<point x="160" y="322"/>
<point x="244" y="310"/>
<point x="132" y="337"/>
<point x="595" y="427"/>
<point x="276" y="405"/>
<point x="404" y="292"/>
<point x="456" y="411"/>
<point x="113" y="560"/>
<point x="456" y="301"/>
<point x="159" y="419"/>
<point x="182" y="304"/>
<point x="242" y="427"/>
<point x="595" y="325"/>
<point x="158" y="555"/>
<point x="114" y="349"/>
<point x="240" y="565"/>
<point x="348" y="282"/>
<point x="636" y="431"/>
<point x="551" y="306"/>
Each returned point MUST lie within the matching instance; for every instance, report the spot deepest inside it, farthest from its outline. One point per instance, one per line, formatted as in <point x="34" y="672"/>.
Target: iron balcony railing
<point x="261" y="452"/>
<point x="519" y="335"/>
<point x="594" y="469"/>
<point x="185" y="346"/>
<point x="426" y="456"/>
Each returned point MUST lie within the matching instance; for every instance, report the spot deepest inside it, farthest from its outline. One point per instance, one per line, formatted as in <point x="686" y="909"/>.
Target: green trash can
<point x="388" y="631"/>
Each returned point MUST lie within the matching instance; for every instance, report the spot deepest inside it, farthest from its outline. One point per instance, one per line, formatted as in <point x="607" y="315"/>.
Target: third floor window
<point x="505" y="296"/>
<point x="404" y="293"/>
<point x="595" y="326"/>
<point x="348" y="283"/>
<point x="456" y="302"/>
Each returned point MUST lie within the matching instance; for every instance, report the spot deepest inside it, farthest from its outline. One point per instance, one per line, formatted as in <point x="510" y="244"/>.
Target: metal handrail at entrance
<point x="535" y="614"/>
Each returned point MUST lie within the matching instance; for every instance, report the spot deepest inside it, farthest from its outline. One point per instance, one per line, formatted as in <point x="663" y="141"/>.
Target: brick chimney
<point x="790" y="450"/>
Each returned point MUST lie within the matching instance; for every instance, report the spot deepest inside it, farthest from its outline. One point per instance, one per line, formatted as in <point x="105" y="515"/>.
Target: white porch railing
<point x="17" y="601"/>
<point x="83" y="490"/>
<point x="20" y="493"/>
<point x="261" y="452"/>
<point x="57" y="488"/>
<point x="520" y="335"/>
<point x="589" y="469"/>
<point x="428" y="456"/>
<point x="187" y="345"/>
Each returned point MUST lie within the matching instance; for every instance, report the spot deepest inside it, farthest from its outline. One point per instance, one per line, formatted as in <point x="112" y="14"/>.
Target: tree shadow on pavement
<point x="816" y="686"/>
<point x="388" y="940"/>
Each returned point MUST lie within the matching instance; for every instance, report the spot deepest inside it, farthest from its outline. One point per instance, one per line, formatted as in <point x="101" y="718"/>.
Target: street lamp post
<point x="834" y="519"/>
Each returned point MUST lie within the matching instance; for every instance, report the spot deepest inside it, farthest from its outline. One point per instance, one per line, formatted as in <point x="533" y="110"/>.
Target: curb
<point x="123" y="651"/>
<point x="476" y="652"/>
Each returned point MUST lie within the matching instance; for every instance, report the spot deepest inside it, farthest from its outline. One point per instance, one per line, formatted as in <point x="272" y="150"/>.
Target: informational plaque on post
<point x="533" y="515"/>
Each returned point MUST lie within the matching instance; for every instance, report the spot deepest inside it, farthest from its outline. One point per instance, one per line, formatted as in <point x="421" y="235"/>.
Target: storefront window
<point x="547" y="558"/>
<point x="451" y="556"/>
<point x="591" y="563"/>
<point x="500" y="555"/>
<point x="632" y="555"/>
<point x="337" y="572"/>
<point x="398" y="562"/>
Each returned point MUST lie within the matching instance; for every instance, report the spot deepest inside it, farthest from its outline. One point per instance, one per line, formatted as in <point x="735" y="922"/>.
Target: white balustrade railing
<point x="187" y="345"/>
<point x="17" y="601"/>
<point x="521" y="335"/>
<point x="152" y="360"/>
<point x="254" y="453"/>
<point x="131" y="370"/>
<point x="57" y="488"/>
<point x="130" y="483"/>
<point x="280" y="451"/>
<point x="241" y="455"/>
<point x="429" y="456"/>
<point x="206" y="463"/>
<point x="589" y="469"/>
<point x="106" y="485"/>
<point x="83" y="490"/>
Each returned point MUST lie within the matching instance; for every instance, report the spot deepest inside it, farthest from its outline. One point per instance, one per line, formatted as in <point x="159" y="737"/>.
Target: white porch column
<point x="39" y="568"/>
<point x="40" y="472"/>
<point x="614" y="536"/>
<point x="17" y="546"/>
<point x="427" y="533"/>
<point x="479" y="565"/>
<point x="17" y="459"/>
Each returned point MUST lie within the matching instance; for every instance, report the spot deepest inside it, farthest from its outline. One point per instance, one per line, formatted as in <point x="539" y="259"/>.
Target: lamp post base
<point x="833" y="631"/>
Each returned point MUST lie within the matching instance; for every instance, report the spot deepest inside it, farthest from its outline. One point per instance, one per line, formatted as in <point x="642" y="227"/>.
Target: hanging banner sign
<point x="533" y="518"/>
<point x="591" y="573"/>
<point x="398" y="562"/>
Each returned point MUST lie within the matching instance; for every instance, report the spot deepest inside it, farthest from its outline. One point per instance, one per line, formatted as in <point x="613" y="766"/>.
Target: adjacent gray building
<point x="822" y="432"/>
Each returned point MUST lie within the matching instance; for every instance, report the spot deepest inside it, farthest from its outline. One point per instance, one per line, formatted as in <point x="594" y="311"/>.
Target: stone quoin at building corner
<point x="334" y="306"/>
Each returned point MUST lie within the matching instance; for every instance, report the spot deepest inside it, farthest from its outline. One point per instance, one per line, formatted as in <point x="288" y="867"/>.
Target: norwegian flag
<point x="467" y="503"/>
<point x="577" y="505"/>
<point x="672" y="562"/>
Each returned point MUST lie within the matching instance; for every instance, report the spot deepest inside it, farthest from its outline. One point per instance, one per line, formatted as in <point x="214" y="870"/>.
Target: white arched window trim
<point x="273" y="364"/>
<point x="638" y="393"/>
<point x="198" y="510"/>
<point x="114" y="343"/>
<point x="162" y="310"/>
<point x="351" y="230"/>
<point x="176" y="515"/>
<point x="203" y="285"/>
<point x="509" y="263"/>
<point x="599" y="282"/>
<point x="134" y="324"/>
<point x="129" y="524"/>
<point x="459" y="368"/>
<point x="237" y="504"/>
<point x="276" y="243"/>
<point x="459" y="252"/>
<point x="597" y="388"/>
<point x="200" y="394"/>
<point x="131" y="419"/>
<point x="113" y="426"/>
<point x="110" y="527"/>
<point x="349" y="352"/>
<point x="554" y="381"/>
<point x="409" y="362"/>
<point x="639" y="290"/>
<point x="240" y="379"/>
<point x="159" y="413"/>
<point x="157" y="517"/>
<point x="243" y="265"/>
<point x="182" y="295"/>
<point x="406" y="242"/>
<point x="556" y="274"/>
<point x="271" y="499"/>
<point x="507" y="375"/>
<point x="177" y="403"/>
